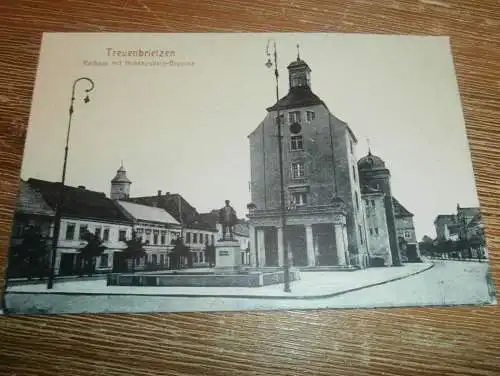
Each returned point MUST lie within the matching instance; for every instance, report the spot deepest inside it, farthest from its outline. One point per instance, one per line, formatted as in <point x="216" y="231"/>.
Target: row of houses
<point x="158" y="220"/>
<point x="466" y="225"/>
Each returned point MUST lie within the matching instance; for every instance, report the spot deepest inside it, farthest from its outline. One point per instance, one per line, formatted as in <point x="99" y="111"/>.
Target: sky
<point x="183" y="128"/>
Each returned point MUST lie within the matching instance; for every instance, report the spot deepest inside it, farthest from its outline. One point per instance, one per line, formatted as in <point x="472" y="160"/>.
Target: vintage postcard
<point x="232" y="172"/>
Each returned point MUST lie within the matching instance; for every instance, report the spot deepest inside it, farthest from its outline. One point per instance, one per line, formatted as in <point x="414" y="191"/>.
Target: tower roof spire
<point x="298" y="52"/>
<point x="369" y="147"/>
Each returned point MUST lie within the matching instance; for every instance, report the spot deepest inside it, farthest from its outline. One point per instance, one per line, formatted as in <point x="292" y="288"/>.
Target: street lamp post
<point x="60" y="200"/>
<point x="286" y="266"/>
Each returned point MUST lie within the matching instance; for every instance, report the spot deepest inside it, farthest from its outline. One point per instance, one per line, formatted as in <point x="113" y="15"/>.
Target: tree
<point x="93" y="249"/>
<point x="210" y="254"/>
<point x="179" y="252"/>
<point x="135" y="249"/>
<point x="426" y="245"/>
<point x="32" y="252"/>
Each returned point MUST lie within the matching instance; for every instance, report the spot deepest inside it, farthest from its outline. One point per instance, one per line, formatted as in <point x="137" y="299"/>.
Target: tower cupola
<point x="299" y="73"/>
<point x="120" y="185"/>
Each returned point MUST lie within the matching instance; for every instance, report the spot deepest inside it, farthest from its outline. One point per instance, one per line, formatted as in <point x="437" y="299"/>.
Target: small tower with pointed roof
<point x="120" y="185"/>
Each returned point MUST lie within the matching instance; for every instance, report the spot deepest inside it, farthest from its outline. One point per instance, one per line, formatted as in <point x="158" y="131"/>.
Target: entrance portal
<point x="296" y="241"/>
<point x="327" y="249"/>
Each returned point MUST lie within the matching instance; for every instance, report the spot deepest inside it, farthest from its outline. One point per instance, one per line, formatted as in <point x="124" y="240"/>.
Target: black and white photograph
<point x="190" y="172"/>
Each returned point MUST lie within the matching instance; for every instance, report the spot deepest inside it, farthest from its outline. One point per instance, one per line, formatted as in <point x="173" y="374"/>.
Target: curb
<point x="274" y="297"/>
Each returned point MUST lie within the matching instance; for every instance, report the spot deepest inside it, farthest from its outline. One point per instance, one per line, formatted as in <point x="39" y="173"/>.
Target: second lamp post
<point x="286" y="265"/>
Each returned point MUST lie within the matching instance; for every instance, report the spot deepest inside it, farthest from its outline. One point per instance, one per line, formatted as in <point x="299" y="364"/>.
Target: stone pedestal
<point x="227" y="257"/>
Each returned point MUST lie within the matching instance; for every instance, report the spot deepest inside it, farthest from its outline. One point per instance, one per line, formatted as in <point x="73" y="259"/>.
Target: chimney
<point x="159" y="192"/>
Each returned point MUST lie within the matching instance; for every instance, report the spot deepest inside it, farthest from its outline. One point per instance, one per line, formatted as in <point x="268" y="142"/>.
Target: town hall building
<point x="325" y="218"/>
<point x="339" y="211"/>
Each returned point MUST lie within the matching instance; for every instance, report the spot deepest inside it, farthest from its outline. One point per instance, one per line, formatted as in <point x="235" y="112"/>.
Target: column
<point x="339" y="242"/>
<point x="346" y="245"/>
<point x="253" y="246"/>
<point x="311" y="261"/>
<point x="281" y="246"/>
<point x="261" y="248"/>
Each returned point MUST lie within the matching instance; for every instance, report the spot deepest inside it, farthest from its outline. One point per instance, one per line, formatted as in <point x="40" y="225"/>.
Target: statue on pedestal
<point x="227" y="218"/>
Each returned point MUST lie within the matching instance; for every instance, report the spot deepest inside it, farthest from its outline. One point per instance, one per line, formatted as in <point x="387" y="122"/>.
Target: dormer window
<point x="294" y="117"/>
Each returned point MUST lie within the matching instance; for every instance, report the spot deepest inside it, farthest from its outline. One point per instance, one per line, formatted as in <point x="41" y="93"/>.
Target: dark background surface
<point x="425" y="341"/>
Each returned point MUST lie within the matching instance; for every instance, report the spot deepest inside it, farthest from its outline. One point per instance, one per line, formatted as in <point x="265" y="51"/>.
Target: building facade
<point x="446" y="226"/>
<point x="157" y="228"/>
<point x="85" y="210"/>
<point x="325" y="217"/>
<point x="31" y="213"/>
<point x="376" y="221"/>
<point x="407" y="237"/>
<point x="374" y="174"/>
<point x="195" y="232"/>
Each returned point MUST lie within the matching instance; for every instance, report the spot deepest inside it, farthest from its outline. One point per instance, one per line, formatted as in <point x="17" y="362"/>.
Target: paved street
<point x="448" y="282"/>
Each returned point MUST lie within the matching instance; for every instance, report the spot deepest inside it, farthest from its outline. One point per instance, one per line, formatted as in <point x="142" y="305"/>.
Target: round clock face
<point x="295" y="128"/>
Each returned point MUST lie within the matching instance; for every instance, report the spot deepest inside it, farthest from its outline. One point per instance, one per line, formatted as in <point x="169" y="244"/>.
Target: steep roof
<point x="299" y="96"/>
<point x="400" y="210"/>
<point x="371" y="162"/>
<point x="212" y="217"/>
<point x="177" y="207"/>
<point x="476" y="221"/>
<point x="148" y="213"/>
<point x="121" y="176"/>
<point x="80" y="202"/>
<point x="448" y="218"/>
<point x="469" y="212"/>
<point x="30" y="201"/>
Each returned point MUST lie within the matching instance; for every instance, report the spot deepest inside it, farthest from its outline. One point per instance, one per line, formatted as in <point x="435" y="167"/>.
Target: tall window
<point x="354" y="173"/>
<point x="360" y="234"/>
<point x="373" y="203"/>
<point x="376" y="231"/>
<point x="371" y="231"/>
<point x="351" y="147"/>
<point x="98" y="232"/>
<point x="105" y="235"/>
<point x="296" y="143"/>
<point x="206" y="238"/>
<point x="83" y="230"/>
<point x="188" y="237"/>
<point x="195" y="238"/>
<point x="294" y="117"/>
<point x="155" y="238"/>
<point x="299" y="198"/>
<point x="357" y="200"/>
<point x="298" y="170"/>
<point x="70" y="231"/>
<point x="154" y="259"/>
<point x="122" y="234"/>
<point x="310" y="115"/>
<point x="162" y="239"/>
<point x="162" y="259"/>
<point x="407" y="235"/>
<point x="213" y="239"/>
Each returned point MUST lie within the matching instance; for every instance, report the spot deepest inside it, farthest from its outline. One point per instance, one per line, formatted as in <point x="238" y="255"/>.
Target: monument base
<point x="227" y="257"/>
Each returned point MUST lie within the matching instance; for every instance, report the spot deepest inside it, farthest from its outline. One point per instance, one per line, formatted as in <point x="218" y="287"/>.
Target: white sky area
<point x="184" y="129"/>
